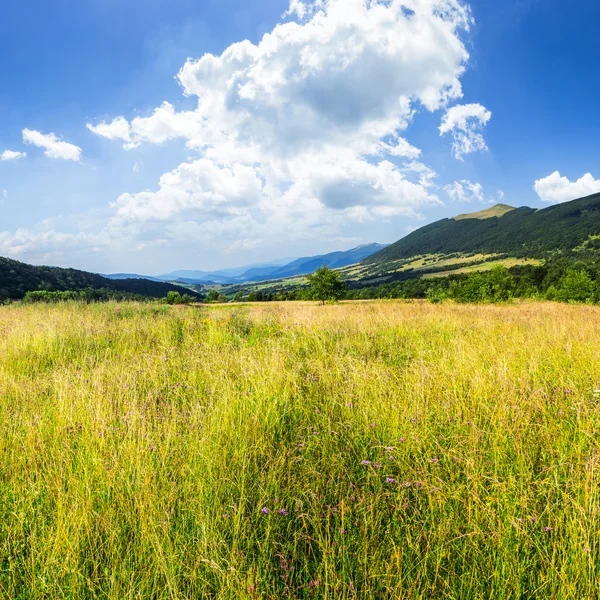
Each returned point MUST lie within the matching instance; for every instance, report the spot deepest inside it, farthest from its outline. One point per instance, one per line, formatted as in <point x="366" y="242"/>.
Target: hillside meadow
<point x="361" y="450"/>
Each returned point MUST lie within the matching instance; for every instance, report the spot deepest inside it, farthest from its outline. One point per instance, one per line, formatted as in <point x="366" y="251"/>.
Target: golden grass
<point x="156" y="452"/>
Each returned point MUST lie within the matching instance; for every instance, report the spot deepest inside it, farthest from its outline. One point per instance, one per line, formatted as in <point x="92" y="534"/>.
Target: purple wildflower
<point x="390" y="480"/>
<point x="283" y="512"/>
<point x="264" y="510"/>
<point x="434" y="460"/>
<point x="365" y="462"/>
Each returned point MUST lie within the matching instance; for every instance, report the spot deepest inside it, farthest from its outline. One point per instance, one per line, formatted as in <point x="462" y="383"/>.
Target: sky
<point x="147" y="136"/>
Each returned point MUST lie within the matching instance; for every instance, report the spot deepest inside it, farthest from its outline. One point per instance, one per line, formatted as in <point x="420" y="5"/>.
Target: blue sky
<point x="323" y="136"/>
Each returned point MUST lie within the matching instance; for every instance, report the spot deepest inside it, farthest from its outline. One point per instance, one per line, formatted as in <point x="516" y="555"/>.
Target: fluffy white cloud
<point x="303" y="133"/>
<point x="118" y="129"/>
<point x="12" y="155"/>
<point x="556" y="189"/>
<point x="54" y="146"/>
<point x="465" y="191"/>
<point x="465" y="122"/>
<point x="310" y="116"/>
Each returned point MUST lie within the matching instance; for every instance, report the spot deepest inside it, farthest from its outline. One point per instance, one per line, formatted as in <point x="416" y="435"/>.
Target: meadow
<point x="287" y="450"/>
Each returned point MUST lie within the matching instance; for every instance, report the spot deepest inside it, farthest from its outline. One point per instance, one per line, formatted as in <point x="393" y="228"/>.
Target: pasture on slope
<point x="362" y="450"/>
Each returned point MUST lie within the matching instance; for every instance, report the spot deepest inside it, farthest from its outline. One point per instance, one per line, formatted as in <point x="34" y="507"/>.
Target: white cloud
<point x="311" y="116"/>
<point x="12" y="155"/>
<point x="465" y="191"/>
<point x="303" y="133"/>
<point x="556" y="189"/>
<point x="118" y="129"/>
<point x="465" y="122"/>
<point x="54" y="146"/>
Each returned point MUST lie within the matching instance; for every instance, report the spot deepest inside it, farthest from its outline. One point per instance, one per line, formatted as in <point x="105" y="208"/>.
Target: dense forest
<point x="523" y="232"/>
<point x="17" y="278"/>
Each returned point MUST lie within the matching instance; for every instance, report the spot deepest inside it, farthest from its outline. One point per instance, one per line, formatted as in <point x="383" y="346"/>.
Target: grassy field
<point x="363" y="450"/>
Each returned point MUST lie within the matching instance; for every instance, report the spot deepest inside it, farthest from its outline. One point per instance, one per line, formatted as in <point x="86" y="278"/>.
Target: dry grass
<point x="140" y="445"/>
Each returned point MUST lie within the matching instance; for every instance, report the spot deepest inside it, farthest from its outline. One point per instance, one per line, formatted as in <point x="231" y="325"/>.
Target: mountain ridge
<point x="521" y="232"/>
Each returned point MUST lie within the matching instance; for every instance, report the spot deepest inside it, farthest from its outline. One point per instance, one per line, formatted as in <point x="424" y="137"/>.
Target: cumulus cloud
<point x="465" y="191"/>
<point x="302" y="133"/>
<point x="118" y="129"/>
<point x="54" y="147"/>
<point x="312" y="114"/>
<point x="465" y="122"/>
<point x="12" y="155"/>
<point x="556" y="189"/>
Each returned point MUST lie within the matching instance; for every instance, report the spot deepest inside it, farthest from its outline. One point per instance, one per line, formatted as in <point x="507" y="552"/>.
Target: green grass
<point x="140" y="445"/>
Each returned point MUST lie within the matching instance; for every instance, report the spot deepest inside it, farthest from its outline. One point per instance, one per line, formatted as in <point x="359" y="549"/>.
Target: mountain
<point x="519" y="232"/>
<point x="17" y="278"/>
<point x="118" y="276"/>
<point x="222" y="276"/>
<point x="274" y="270"/>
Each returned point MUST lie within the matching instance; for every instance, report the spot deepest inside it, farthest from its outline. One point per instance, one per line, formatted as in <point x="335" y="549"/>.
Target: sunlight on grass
<point x="363" y="450"/>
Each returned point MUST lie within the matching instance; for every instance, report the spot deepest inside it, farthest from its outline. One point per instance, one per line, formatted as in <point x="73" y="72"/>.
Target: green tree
<point x="325" y="284"/>
<point x="577" y="286"/>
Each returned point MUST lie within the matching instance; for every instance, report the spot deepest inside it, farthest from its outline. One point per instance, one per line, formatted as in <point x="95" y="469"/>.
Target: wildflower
<point x="365" y="462"/>
<point x="344" y="532"/>
<point x="533" y="520"/>
<point x="586" y="550"/>
<point x="390" y="480"/>
<point x="434" y="460"/>
<point x="283" y="512"/>
<point x="402" y="440"/>
<point x="372" y="425"/>
<point x="264" y="510"/>
<point x="547" y="529"/>
<point x="349" y="405"/>
<point x="376" y="465"/>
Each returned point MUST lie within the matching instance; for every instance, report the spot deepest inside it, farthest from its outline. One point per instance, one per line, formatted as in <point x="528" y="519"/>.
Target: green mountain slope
<point x="17" y="278"/>
<point x="522" y="232"/>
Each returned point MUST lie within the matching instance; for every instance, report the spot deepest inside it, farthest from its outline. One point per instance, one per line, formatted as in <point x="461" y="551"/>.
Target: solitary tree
<point x="325" y="284"/>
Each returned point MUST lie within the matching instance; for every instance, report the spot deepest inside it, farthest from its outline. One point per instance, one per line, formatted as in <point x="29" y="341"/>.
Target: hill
<point x="309" y="264"/>
<point x="17" y="278"/>
<point x="520" y="232"/>
<point x="266" y="272"/>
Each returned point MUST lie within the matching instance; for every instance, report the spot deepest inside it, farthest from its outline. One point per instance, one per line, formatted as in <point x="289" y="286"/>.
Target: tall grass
<point x="366" y="450"/>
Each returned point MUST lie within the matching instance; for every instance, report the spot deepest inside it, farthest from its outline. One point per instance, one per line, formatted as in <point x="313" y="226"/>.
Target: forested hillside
<point x="523" y="232"/>
<point x="17" y="278"/>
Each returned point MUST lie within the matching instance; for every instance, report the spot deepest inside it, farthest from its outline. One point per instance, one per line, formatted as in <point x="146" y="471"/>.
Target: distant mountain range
<point x="502" y="229"/>
<point x="280" y="269"/>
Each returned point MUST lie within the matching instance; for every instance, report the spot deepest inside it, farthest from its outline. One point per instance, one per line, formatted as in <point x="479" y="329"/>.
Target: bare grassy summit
<point x="498" y="210"/>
